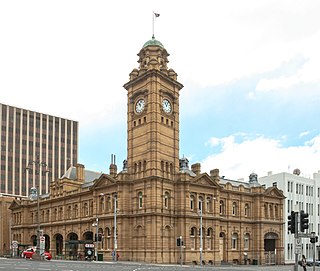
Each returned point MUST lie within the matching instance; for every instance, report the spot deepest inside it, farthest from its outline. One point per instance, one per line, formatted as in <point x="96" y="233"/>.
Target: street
<point x="57" y="265"/>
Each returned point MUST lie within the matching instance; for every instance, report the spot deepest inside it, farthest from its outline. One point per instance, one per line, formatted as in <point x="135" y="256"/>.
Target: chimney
<point x="113" y="167"/>
<point x="80" y="172"/>
<point x="196" y="168"/>
<point x="214" y="173"/>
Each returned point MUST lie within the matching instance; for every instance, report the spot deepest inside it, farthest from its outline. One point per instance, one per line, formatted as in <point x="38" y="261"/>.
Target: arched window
<point x="108" y="238"/>
<point x="234" y="241"/>
<point x="166" y="200"/>
<point x="234" y="208"/>
<point x="193" y="233"/>
<point x="48" y="216"/>
<point x="75" y="210"/>
<point x="108" y="207"/>
<point x="200" y="203"/>
<point x="69" y="214"/>
<point x="209" y="238"/>
<point x="209" y="204"/>
<point x="246" y="210"/>
<point x="266" y="211"/>
<point x="85" y="209"/>
<point x="246" y="241"/>
<point x="60" y="213"/>
<point x="222" y="207"/>
<point x="192" y="202"/>
<point x="140" y="200"/>
<point x="271" y="211"/>
<point x="101" y="204"/>
<point x="55" y="214"/>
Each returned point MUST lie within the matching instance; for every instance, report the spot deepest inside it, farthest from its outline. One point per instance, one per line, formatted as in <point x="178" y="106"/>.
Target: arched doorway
<point x="72" y="245"/>
<point x="59" y="244"/>
<point x="47" y="242"/>
<point x="270" y="239"/>
<point x="222" y="247"/>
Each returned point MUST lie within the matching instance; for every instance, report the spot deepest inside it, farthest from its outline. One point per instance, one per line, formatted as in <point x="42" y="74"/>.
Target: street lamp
<point x="97" y="238"/>
<point x="200" y="214"/>
<point x="37" y="165"/>
<point x="115" y="227"/>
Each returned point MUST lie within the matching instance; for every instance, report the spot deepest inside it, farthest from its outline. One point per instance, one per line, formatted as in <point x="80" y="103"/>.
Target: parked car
<point x="28" y="253"/>
<point x="310" y="262"/>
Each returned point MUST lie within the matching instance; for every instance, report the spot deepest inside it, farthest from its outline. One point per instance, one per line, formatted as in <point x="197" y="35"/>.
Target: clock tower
<point x="153" y="115"/>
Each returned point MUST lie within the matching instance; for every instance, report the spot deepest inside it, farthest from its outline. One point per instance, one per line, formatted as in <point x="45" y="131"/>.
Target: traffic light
<point x="314" y="239"/>
<point x="178" y="242"/>
<point x="304" y="221"/>
<point x="292" y="222"/>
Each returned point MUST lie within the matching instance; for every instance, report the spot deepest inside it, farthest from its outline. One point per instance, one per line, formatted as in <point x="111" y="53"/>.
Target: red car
<point x="27" y="254"/>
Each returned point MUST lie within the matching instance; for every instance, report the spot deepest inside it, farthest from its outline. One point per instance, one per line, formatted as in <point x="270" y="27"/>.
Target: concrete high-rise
<point x="27" y="134"/>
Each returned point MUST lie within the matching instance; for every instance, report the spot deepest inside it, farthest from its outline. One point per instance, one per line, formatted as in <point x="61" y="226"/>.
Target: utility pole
<point x="115" y="227"/>
<point x="37" y="166"/>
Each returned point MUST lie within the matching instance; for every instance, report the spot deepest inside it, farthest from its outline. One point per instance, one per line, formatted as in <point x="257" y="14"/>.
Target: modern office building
<point x="301" y="194"/>
<point x="141" y="211"/>
<point x="28" y="136"/>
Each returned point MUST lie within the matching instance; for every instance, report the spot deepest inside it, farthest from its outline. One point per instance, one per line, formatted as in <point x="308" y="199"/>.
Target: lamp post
<point x="115" y="227"/>
<point x="200" y="214"/>
<point x="37" y="165"/>
<point x="97" y="238"/>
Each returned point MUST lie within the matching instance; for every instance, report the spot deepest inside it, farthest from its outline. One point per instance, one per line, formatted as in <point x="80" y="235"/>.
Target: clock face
<point x="166" y="106"/>
<point x="140" y="105"/>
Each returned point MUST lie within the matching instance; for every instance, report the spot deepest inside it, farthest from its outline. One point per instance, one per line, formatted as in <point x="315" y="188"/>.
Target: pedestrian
<point x="118" y="256"/>
<point x="304" y="263"/>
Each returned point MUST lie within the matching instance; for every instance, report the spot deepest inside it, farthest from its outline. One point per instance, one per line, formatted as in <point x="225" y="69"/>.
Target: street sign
<point x="89" y="245"/>
<point x="14" y="244"/>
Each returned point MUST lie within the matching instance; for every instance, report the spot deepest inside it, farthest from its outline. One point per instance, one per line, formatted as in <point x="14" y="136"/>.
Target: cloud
<point x="238" y="157"/>
<point x="305" y="133"/>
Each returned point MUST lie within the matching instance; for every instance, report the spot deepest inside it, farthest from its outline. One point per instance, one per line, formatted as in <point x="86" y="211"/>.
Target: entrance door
<point x="270" y="248"/>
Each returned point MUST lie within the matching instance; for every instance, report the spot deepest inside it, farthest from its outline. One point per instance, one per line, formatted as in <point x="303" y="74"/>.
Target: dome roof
<point x="153" y="42"/>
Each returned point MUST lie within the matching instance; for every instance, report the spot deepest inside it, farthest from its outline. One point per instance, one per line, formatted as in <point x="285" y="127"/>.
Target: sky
<point x="250" y="70"/>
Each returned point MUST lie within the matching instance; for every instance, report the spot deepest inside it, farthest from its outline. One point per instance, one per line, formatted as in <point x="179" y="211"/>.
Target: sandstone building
<point x="156" y="197"/>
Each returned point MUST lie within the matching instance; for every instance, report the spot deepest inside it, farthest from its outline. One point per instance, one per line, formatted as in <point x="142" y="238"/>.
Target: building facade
<point x="140" y="211"/>
<point x="301" y="194"/>
<point x="27" y="134"/>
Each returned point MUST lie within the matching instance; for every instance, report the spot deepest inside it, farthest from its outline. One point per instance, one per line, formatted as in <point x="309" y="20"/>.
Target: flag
<point x="156" y="14"/>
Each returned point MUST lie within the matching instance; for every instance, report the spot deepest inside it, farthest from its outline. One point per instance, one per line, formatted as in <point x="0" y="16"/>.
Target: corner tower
<point x="153" y="115"/>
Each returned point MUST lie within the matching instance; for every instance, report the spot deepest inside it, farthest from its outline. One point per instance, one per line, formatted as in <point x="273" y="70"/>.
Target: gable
<point x="104" y="180"/>
<point x="205" y="180"/>
<point x="274" y="192"/>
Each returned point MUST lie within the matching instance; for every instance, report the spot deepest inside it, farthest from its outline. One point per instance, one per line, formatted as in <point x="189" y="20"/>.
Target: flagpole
<point x="153" y="24"/>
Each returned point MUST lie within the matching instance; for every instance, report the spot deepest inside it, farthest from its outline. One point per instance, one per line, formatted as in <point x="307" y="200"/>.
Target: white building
<point x="301" y="194"/>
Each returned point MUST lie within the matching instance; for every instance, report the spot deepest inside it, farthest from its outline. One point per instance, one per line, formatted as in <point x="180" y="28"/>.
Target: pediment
<point x="104" y="180"/>
<point x="274" y="192"/>
<point x="204" y="179"/>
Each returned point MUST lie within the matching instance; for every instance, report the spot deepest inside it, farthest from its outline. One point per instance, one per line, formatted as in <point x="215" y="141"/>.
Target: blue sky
<point x="250" y="71"/>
